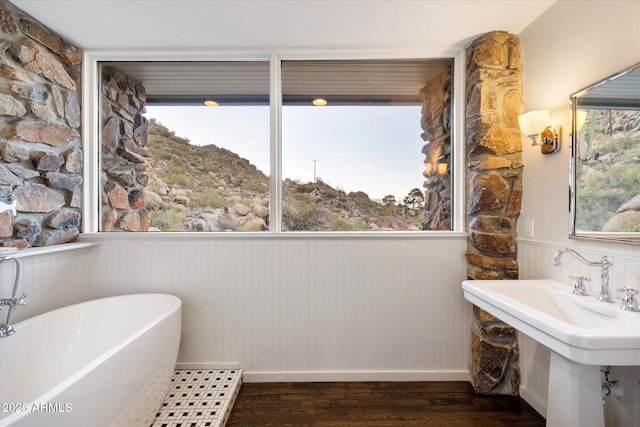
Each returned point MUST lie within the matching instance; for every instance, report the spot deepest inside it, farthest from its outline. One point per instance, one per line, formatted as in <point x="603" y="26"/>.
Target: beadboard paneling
<point x="306" y="308"/>
<point x="51" y="281"/>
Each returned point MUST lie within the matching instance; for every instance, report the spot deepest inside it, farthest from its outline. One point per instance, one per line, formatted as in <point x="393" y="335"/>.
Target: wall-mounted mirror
<point x="605" y="159"/>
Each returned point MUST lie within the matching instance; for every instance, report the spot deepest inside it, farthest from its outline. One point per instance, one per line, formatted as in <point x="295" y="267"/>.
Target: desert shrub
<point x="211" y="198"/>
<point x="176" y="174"/>
<point x="339" y="224"/>
<point x="170" y="219"/>
<point x="300" y="216"/>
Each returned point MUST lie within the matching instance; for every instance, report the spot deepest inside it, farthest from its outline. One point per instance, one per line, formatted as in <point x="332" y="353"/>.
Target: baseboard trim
<point x="214" y="366"/>
<point x="534" y="400"/>
<point x="342" y="376"/>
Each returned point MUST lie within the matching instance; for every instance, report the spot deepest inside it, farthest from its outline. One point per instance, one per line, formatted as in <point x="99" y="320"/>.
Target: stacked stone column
<point x="494" y="187"/>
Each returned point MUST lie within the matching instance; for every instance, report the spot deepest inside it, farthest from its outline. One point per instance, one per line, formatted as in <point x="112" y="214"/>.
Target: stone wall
<point x="494" y="187"/>
<point x="40" y="145"/>
<point x="123" y="141"/>
<point x="436" y="124"/>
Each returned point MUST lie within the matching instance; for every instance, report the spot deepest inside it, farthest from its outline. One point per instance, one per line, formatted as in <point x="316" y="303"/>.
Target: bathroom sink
<point x="577" y="327"/>
<point x="581" y="333"/>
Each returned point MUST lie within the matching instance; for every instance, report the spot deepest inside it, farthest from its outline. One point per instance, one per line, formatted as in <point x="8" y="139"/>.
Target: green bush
<point x="171" y="219"/>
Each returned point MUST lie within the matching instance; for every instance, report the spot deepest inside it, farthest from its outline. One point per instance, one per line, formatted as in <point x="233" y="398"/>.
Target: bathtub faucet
<point x="6" y="329"/>
<point x="604" y="265"/>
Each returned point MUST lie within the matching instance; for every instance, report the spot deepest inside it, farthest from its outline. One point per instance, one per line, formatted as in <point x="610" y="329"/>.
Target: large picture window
<point x="364" y="145"/>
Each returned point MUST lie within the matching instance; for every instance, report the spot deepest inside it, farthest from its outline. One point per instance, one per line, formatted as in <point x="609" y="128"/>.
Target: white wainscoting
<point x="536" y="262"/>
<point x="51" y="280"/>
<point x="306" y="309"/>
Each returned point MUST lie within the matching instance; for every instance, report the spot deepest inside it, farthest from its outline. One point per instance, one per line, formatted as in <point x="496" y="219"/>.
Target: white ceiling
<point x="280" y="24"/>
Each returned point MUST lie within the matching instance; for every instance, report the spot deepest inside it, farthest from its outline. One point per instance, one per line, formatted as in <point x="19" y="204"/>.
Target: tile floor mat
<point x="199" y="398"/>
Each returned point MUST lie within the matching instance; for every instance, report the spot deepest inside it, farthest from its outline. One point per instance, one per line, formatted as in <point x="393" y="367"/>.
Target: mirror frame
<point x="629" y="238"/>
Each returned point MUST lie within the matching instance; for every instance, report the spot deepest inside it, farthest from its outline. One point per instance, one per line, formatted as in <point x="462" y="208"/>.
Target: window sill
<point x="45" y="250"/>
<point x="293" y="235"/>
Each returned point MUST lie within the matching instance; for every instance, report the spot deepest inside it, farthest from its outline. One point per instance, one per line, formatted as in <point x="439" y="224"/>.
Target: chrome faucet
<point x="604" y="265"/>
<point x="6" y="329"/>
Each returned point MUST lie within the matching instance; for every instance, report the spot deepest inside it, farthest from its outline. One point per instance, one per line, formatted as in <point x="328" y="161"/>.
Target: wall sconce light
<point x="535" y="124"/>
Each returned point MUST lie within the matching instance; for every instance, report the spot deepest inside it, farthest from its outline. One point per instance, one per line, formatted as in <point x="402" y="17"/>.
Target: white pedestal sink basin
<point x="581" y="333"/>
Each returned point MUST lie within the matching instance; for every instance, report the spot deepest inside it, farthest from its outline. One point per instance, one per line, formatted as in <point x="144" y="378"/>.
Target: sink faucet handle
<point x="579" y="287"/>
<point x="630" y="302"/>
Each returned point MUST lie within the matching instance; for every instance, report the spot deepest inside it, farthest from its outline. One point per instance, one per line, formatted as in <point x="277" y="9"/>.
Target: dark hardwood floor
<point x="376" y="404"/>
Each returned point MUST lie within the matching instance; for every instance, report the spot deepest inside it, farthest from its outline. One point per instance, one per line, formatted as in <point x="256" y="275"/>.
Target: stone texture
<point x="42" y="111"/>
<point x="46" y="161"/>
<point x="130" y="221"/>
<point x="494" y="162"/>
<point x="9" y="106"/>
<point x="73" y="161"/>
<point x="118" y="196"/>
<point x="33" y="197"/>
<point x="7" y="177"/>
<point x="63" y="181"/>
<point x="495" y="140"/>
<point x="37" y="59"/>
<point x="124" y="139"/>
<point x="52" y="134"/>
<point x="72" y="111"/>
<point x="109" y="218"/>
<point x="57" y="237"/>
<point x="6" y="226"/>
<point x="137" y="199"/>
<point x="27" y="228"/>
<point x="110" y="135"/>
<point x="63" y="219"/>
<point x="30" y="92"/>
<point x="488" y="192"/>
<point x="436" y="125"/>
<point x="13" y="152"/>
<point x="67" y="52"/>
<point x="8" y="21"/>
<point x="494" y="243"/>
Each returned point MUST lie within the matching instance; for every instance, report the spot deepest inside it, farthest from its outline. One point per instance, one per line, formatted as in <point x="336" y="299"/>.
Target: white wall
<point x="306" y="309"/>
<point x="569" y="47"/>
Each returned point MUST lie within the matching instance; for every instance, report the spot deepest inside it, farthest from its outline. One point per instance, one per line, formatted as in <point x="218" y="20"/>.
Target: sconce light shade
<point x="535" y="124"/>
<point x="581" y="118"/>
<point x="532" y="123"/>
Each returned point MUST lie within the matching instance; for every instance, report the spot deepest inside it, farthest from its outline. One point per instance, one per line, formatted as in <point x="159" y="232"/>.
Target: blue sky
<point x="375" y="149"/>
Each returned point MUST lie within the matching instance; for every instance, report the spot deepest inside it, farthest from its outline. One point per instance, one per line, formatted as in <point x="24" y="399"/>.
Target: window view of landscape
<point x="353" y="168"/>
<point x="608" y="172"/>
<point x="187" y="146"/>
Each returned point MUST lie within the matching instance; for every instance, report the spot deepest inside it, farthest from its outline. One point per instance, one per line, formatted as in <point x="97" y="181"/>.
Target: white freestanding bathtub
<point x="106" y="362"/>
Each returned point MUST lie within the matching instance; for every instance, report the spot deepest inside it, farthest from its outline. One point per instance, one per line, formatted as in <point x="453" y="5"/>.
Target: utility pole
<point x="314" y="170"/>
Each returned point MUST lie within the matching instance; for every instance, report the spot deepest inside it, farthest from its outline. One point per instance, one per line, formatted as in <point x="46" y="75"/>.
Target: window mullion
<point x="275" y="177"/>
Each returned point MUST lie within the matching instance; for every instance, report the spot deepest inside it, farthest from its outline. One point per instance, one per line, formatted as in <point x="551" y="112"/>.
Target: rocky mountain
<point x="209" y="188"/>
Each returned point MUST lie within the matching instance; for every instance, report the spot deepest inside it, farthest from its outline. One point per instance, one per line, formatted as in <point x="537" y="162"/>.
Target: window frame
<point x="91" y="143"/>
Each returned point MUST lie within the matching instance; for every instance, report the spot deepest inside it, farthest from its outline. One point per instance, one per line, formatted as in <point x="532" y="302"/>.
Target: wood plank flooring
<point x="377" y="404"/>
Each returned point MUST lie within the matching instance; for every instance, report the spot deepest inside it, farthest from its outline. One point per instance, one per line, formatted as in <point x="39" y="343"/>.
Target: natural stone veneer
<point x="40" y="147"/>
<point x="123" y="140"/>
<point x="494" y="187"/>
<point x="436" y="124"/>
